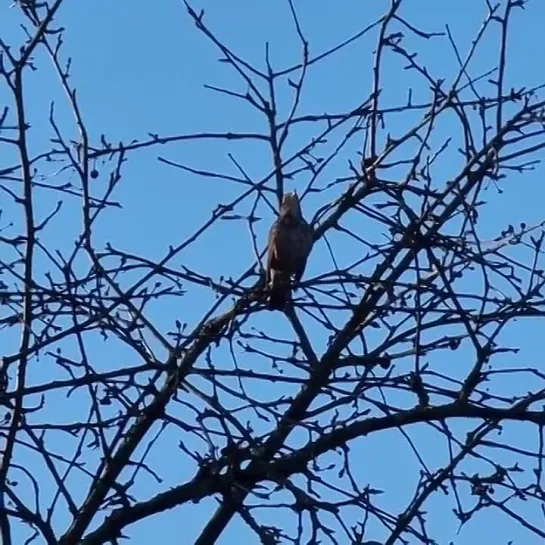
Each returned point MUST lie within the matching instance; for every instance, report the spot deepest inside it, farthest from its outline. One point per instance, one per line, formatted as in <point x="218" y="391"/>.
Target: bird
<point x="289" y="244"/>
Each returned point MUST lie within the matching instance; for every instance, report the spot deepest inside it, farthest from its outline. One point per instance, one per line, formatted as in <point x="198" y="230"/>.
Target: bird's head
<point x="290" y="206"/>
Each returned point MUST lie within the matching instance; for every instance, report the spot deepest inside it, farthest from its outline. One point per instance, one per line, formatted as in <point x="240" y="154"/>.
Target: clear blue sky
<point x="139" y="67"/>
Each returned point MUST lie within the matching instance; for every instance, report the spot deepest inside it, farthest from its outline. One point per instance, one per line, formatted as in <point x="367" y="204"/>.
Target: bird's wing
<point x="271" y="250"/>
<point x="305" y="243"/>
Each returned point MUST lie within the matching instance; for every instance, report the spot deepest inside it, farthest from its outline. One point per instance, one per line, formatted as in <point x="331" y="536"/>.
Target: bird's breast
<point x="292" y="246"/>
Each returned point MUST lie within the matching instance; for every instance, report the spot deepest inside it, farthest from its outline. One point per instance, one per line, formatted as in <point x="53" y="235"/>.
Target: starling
<point x="290" y="242"/>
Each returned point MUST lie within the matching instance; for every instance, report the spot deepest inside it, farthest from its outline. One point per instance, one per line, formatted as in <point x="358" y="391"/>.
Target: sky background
<point x="140" y="68"/>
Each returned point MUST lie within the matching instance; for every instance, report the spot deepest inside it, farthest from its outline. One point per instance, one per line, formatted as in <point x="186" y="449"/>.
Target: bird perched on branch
<point x="290" y="242"/>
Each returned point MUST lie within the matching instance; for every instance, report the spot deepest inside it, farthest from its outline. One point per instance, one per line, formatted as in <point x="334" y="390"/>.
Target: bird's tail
<point x="279" y="293"/>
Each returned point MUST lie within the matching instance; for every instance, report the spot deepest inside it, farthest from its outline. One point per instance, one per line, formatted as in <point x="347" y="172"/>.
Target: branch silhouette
<point x="145" y="373"/>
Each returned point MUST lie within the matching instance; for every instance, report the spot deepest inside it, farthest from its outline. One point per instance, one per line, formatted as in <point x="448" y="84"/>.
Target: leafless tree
<point x="396" y="396"/>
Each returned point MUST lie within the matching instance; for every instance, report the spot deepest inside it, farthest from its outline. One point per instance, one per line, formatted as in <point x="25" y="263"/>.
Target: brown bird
<point x="290" y="242"/>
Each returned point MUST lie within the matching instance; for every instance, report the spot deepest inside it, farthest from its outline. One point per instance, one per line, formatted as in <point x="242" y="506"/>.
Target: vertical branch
<point x="374" y="116"/>
<point x="17" y="416"/>
<point x="504" y="22"/>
